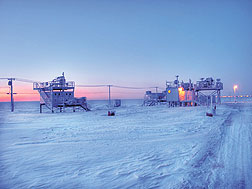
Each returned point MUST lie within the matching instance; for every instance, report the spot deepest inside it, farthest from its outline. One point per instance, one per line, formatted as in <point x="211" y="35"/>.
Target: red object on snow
<point x="209" y="114"/>
<point x="111" y="113"/>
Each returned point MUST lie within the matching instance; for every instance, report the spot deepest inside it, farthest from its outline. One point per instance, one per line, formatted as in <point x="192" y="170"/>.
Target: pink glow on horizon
<point x="26" y="93"/>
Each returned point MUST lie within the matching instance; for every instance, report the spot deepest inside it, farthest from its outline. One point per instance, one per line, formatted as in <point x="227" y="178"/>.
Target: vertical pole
<point x="52" y="98"/>
<point x="156" y="95"/>
<point x="207" y="103"/>
<point x="234" y="96"/>
<point x="218" y="97"/>
<point x="63" y="93"/>
<point x="211" y="103"/>
<point x="109" y="96"/>
<point x="177" y="80"/>
<point x="12" y="99"/>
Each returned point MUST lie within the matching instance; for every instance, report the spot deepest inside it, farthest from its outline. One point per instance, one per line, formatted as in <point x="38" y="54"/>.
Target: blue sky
<point x="135" y="43"/>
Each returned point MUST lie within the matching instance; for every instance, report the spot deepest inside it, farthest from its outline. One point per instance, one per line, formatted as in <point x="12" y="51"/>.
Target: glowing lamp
<point x="169" y="91"/>
<point x="180" y="89"/>
<point x="235" y="88"/>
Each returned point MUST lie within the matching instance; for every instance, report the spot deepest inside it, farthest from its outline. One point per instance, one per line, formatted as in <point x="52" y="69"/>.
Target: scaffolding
<point x="151" y="99"/>
<point x="59" y="94"/>
<point x="208" y="90"/>
<point x="204" y="92"/>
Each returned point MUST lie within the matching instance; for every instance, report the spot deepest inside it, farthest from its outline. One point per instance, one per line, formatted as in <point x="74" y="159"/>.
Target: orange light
<point x="235" y="87"/>
<point x="169" y="91"/>
<point x="180" y="89"/>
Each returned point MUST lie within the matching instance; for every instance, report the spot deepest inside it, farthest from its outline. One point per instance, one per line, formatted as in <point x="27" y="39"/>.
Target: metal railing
<point x="37" y="85"/>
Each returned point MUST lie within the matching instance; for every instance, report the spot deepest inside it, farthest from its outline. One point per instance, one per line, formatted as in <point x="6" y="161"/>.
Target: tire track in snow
<point x="236" y="152"/>
<point x="226" y="159"/>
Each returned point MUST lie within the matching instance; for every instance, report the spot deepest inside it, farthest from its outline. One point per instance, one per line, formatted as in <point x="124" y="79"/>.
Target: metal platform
<point x="59" y="94"/>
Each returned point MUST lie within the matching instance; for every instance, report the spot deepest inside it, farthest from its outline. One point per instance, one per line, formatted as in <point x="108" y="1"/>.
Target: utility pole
<point x="109" y="96"/>
<point x="156" y="89"/>
<point x="11" y="93"/>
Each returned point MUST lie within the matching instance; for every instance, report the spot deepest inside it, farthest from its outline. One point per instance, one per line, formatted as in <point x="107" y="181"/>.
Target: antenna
<point x="177" y="81"/>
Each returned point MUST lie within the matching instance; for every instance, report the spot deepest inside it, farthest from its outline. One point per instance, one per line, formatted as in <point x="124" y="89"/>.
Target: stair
<point x="46" y="99"/>
<point x="85" y="107"/>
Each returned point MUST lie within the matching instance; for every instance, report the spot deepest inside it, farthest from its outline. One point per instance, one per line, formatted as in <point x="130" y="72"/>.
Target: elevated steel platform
<point x="59" y="94"/>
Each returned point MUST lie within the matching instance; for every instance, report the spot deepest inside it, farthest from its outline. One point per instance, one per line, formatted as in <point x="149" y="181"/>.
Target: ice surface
<point x="140" y="147"/>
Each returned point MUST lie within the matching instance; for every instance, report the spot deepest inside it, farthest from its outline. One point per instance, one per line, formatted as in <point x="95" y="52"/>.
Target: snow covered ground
<point x="141" y="147"/>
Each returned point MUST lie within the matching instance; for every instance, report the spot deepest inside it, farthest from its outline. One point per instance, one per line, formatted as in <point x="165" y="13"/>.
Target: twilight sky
<point x="133" y="42"/>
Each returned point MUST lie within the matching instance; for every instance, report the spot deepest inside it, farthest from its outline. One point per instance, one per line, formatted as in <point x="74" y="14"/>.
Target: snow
<point x="140" y="147"/>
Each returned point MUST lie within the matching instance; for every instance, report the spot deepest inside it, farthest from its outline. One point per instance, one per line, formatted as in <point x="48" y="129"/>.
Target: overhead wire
<point x="6" y="78"/>
<point x="25" y="80"/>
<point x="86" y="86"/>
<point x="118" y="86"/>
<point x="127" y="87"/>
<point x="103" y="85"/>
<point x="18" y="79"/>
<point x="91" y="85"/>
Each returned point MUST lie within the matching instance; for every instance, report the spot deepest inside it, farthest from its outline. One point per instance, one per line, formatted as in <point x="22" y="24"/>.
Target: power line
<point x="103" y="85"/>
<point x="127" y="87"/>
<point x="26" y="80"/>
<point x="6" y="78"/>
<point x="19" y="79"/>
<point x="21" y="93"/>
<point x="92" y="92"/>
<point x="118" y="86"/>
<point x="91" y="85"/>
